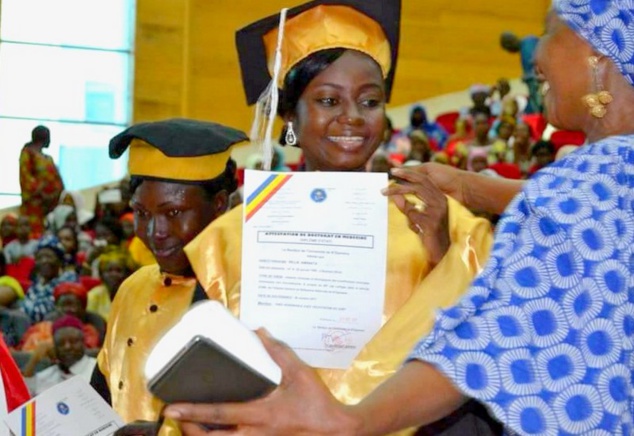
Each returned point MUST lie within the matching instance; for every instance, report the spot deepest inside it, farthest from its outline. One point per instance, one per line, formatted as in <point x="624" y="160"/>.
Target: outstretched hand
<point x="446" y="178"/>
<point x="419" y="199"/>
<point x="300" y="405"/>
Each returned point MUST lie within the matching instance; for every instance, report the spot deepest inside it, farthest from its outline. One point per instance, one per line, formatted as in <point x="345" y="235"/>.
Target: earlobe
<point x="221" y="202"/>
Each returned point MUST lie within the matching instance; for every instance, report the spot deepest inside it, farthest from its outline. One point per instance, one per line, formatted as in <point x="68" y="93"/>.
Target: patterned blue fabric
<point x="52" y="242"/>
<point x="544" y="336"/>
<point x="608" y="25"/>
<point x="38" y="301"/>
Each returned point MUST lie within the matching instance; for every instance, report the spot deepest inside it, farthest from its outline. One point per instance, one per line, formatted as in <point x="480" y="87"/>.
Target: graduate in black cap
<point x="181" y="177"/>
<point x="330" y="65"/>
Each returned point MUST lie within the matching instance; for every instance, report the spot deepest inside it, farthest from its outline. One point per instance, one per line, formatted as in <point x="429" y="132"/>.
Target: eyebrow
<point x="337" y="86"/>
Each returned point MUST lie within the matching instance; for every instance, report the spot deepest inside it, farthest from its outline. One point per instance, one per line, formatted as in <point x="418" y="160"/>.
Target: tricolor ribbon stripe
<point x="28" y="419"/>
<point x="264" y="192"/>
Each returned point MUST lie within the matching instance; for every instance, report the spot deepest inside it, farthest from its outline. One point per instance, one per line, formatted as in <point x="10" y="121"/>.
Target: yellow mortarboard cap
<point x="368" y="26"/>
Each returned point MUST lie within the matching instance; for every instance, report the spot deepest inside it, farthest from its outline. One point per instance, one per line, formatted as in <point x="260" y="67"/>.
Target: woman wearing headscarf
<point x="114" y="268"/>
<point x="49" y="262"/>
<point x="418" y="120"/>
<point x="70" y="299"/>
<point x="61" y="216"/>
<point x="544" y="336"/>
<point x="76" y="200"/>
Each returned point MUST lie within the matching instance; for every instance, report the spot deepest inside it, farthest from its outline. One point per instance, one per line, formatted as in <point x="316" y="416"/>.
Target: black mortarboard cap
<point x="177" y="149"/>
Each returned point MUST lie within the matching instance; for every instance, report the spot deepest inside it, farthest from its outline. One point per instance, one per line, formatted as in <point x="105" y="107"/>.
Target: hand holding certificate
<point x="314" y="255"/>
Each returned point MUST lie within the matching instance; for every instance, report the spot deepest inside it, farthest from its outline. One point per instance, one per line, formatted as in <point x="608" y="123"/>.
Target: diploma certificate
<point x="313" y="260"/>
<point x="70" y="408"/>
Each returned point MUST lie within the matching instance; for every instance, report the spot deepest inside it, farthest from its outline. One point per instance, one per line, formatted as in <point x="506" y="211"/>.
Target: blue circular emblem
<point x="63" y="408"/>
<point x="318" y="195"/>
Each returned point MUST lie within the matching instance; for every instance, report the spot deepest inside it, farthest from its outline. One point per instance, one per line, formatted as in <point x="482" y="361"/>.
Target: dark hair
<point x="548" y="145"/>
<point x="298" y="78"/>
<point x="388" y="123"/>
<point x="39" y="134"/>
<point x="112" y="224"/>
<point x="73" y="230"/>
<point x="70" y="259"/>
<point x="227" y="181"/>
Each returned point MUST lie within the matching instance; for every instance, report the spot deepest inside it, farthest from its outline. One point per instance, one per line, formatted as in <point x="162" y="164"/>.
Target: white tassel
<point x="266" y="107"/>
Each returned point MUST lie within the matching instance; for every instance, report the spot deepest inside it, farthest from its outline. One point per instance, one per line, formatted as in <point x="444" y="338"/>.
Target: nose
<point x="65" y="345"/>
<point x="158" y="228"/>
<point x="351" y="115"/>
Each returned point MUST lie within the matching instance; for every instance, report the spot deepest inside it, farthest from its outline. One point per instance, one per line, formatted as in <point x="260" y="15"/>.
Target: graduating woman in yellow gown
<point x="337" y="68"/>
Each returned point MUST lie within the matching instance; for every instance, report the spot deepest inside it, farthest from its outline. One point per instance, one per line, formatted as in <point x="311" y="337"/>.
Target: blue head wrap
<point x="607" y="25"/>
<point x="51" y="242"/>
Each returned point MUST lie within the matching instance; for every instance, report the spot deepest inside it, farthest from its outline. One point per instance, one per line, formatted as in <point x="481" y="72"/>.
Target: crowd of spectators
<point x="57" y="283"/>
<point x="494" y="135"/>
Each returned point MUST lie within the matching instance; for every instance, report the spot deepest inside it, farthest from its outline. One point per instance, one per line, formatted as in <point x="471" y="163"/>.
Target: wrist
<point x="467" y="192"/>
<point x="356" y="423"/>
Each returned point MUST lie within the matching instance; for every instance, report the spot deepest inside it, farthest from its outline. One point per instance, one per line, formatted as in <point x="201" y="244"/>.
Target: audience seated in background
<point x="479" y="95"/>
<point x="73" y="258"/>
<point x="394" y="141"/>
<point x="13" y="324"/>
<point x="8" y="228"/>
<point x="462" y="135"/>
<point x="543" y="153"/>
<point x="68" y="352"/>
<point x="112" y="202"/>
<point x="503" y="88"/>
<point x="380" y="163"/>
<point x="49" y="261"/>
<point x="108" y="237"/>
<point x="127" y="225"/>
<point x="10" y="288"/>
<point x="76" y="200"/>
<point x="478" y="162"/>
<point x="481" y="139"/>
<point x="70" y="299"/>
<point x="420" y="149"/>
<point x="62" y="215"/>
<point x="114" y="268"/>
<point x="502" y="130"/>
<point x="23" y="245"/>
<point x="520" y="152"/>
<point x="436" y="135"/>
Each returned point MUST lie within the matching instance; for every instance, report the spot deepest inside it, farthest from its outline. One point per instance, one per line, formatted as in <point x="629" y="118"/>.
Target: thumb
<point x="281" y="353"/>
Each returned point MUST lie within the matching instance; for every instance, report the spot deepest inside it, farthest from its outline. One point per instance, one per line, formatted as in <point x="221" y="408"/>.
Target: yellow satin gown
<point x="413" y="293"/>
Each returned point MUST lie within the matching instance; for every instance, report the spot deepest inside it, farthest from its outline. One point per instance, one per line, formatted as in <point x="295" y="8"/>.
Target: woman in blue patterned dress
<point x="545" y="336"/>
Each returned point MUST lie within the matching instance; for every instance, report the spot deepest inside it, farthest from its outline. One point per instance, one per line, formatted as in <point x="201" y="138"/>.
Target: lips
<point x="347" y="143"/>
<point x="164" y="252"/>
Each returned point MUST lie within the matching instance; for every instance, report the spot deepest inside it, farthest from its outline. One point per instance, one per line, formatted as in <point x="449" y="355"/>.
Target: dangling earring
<point x="597" y="102"/>
<point x="290" y="138"/>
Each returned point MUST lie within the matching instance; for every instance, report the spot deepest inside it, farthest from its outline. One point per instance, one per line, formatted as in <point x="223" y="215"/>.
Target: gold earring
<point x="597" y="102"/>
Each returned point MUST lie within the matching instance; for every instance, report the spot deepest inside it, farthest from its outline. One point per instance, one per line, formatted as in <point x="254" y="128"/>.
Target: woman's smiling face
<point x="340" y="116"/>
